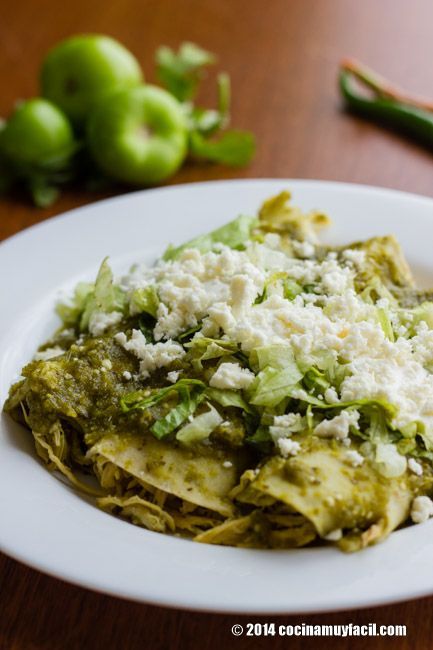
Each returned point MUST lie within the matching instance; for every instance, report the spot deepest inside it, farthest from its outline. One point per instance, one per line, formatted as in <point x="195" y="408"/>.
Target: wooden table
<point x="282" y="56"/>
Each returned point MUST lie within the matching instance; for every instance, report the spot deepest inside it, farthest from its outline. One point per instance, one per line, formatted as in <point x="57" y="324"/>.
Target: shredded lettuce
<point x="204" y="349"/>
<point x="228" y="398"/>
<point x="291" y="288"/>
<point x="274" y="384"/>
<point x="234" y="234"/>
<point x="276" y="356"/>
<point x="315" y="380"/>
<point x="189" y="333"/>
<point x="385" y="323"/>
<point x="278" y="374"/>
<point x="88" y="298"/>
<point x="70" y="312"/>
<point x="200" y="427"/>
<point x="421" y="313"/>
<point x="144" y="300"/>
<point x="388" y="409"/>
<point x="144" y="399"/>
<point x="208" y="348"/>
<point x="108" y="296"/>
<point x="188" y="400"/>
<point x="275" y="277"/>
<point x="189" y="394"/>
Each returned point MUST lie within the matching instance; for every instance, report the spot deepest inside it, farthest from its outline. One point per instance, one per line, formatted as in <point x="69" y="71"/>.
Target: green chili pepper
<point x="387" y="105"/>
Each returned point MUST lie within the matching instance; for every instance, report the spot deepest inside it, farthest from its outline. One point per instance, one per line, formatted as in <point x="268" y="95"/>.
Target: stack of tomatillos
<point x="98" y="121"/>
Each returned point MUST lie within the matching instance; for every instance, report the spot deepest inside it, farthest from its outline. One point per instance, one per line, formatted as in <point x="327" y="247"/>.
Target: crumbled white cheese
<point x="331" y="395"/>
<point x="101" y="321"/>
<point x="173" y="376"/>
<point x="107" y="364"/>
<point x="338" y="427"/>
<point x="288" y="447"/>
<point x="227" y="464"/>
<point x="334" y="535"/>
<point x="190" y="285"/>
<point x="421" y="510"/>
<point x="354" y="458"/>
<point x="48" y="353"/>
<point x="335" y="279"/>
<point x="219" y="288"/>
<point x="422" y="344"/>
<point x="355" y="256"/>
<point x="126" y="375"/>
<point x="303" y="249"/>
<point x="284" y="425"/>
<point x="152" y="356"/>
<point x="231" y="376"/>
<point x="415" y="466"/>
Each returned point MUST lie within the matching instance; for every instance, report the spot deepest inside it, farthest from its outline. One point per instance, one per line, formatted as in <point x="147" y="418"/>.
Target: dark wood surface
<point x="282" y="56"/>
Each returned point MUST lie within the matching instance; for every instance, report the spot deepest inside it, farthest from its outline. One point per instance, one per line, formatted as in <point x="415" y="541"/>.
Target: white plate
<point x="49" y="526"/>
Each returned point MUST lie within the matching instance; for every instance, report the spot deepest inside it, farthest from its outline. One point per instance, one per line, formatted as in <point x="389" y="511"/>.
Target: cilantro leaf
<point x="180" y="72"/>
<point x="235" y="148"/>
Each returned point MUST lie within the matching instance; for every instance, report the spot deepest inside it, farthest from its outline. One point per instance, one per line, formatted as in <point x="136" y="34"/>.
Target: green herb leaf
<point x="234" y="148"/>
<point x="43" y="194"/>
<point x="209" y="121"/>
<point x="180" y="72"/>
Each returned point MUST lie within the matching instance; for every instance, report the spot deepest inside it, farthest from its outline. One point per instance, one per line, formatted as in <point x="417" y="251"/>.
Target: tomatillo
<point x="80" y="71"/>
<point x="139" y="136"/>
<point x="37" y="135"/>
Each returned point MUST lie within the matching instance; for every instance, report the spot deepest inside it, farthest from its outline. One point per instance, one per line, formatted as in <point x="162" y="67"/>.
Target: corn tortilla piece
<point x="333" y="495"/>
<point x="195" y="476"/>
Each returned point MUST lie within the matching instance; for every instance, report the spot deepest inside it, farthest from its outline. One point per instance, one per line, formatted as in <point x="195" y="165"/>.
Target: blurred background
<point x="283" y="58"/>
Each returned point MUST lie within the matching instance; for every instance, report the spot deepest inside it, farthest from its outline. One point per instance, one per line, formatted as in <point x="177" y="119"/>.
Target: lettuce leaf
<point x="388" y="409"/>
<point x="143" y="399"/>
<point x="315" y="379"/>
<point x="88" y="298"/>
<point x="228" y="398"/>
<point x="70" y="312"/>
<point x="204" y="348"/>
<point x="108" y="297"/>
<point x="144" y="300"/>
<point x="272" y="385"/>
<point x="200" y="427"/>
<point x="385" y="323"/>
<point x="189" y="394"/>
<point x="234" y="234"/>
<point x="277" y="356"/>
<point x="188" y="400"/>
